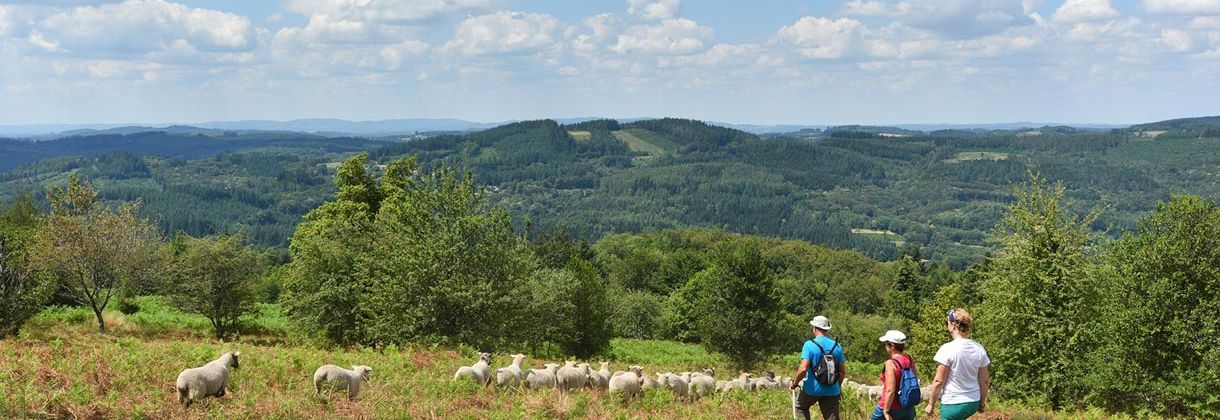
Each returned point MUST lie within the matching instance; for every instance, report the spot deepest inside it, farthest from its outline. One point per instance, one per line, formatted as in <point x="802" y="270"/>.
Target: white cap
<point x="821" y="323"/>
<point x="894" y="336"/>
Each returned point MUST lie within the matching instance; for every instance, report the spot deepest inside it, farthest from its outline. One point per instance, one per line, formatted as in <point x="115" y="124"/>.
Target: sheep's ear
<point x="236" y="353"/>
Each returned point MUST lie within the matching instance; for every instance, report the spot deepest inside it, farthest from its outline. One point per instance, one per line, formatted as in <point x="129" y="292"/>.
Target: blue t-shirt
<point x="811" y="353"/>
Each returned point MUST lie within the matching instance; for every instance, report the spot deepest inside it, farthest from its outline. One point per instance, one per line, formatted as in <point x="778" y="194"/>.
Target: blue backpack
<point x="908" y="386"/>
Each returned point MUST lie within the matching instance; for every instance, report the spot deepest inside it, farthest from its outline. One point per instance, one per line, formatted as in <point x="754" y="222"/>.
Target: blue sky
<point x="763" y="61"/>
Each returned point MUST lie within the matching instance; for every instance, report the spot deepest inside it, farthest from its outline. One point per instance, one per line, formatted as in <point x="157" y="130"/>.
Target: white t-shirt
<point x="964" y="357"/>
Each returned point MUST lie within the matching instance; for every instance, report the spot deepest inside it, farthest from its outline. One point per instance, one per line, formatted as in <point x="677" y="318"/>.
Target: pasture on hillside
<point x="60" y="367"/>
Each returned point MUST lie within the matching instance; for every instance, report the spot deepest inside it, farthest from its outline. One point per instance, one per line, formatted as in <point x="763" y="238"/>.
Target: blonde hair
<point x="961" y="319"/>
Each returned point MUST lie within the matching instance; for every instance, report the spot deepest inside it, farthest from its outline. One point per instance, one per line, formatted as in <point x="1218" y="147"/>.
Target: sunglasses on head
<point x="952" y="317"/>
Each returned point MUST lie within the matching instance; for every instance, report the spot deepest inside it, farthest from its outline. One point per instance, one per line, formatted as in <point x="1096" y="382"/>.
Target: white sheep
<point x="874" y="392"/>
<point x="679" y="384"/>
<point x="332" y="373"/>
<point x="742" y="382"/>
<point x="512" y="375"/>
<point x="541" y="378"/>
<point x="701" y="385"/>
<point x="601" y="378"/>
<point x="572" y="376"/>
<point x="480" y="372"/>
<point x="924" y="393"/>
<point x="209" y="380"/>
<point x="627" y="383"/>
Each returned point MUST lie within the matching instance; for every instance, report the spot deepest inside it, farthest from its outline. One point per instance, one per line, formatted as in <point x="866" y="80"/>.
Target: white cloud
<point x="819" y="37"/>
<point x="671" y="36"/>
<point x="394" y="54"/>
<point x="144" y="26"/>
<point x="322" y="29"/>
<point x="385" y="11"/>
<point x="1177" y="39"/>
<point x="504" y="32"/>
<point x="1085" y="11"/>
<point x="653" y="9"/>
<point x="965" y="18"/>
<point x="1183" y="7"/>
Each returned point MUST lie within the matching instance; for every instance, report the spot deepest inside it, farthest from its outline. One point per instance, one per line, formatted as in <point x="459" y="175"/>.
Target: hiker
<point x="961" y="372"/>
<point x="821" y="373"/>
<point x="898" y="375"/>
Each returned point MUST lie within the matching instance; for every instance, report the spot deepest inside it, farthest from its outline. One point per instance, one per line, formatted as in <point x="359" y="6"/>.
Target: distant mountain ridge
<point x="341" y="127"/>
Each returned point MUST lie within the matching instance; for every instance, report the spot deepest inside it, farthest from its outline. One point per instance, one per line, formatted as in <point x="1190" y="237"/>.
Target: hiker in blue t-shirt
<point x="819" y="381"/>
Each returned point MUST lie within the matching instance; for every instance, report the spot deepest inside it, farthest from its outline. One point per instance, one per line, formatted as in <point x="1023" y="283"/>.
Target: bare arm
<point x="938" y="384"/>
<point x="842" y="368"/>
<point x="800" y="373"/>
<point x="891" y="387"/>
<point x="984" y="384"/>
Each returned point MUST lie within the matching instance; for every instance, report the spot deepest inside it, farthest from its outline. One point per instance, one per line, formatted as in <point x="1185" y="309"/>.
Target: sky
<point x="755" y="61"/>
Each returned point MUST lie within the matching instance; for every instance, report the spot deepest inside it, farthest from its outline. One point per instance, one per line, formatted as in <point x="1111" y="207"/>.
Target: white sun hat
<point x="821" y="323"/>
<point x="894" y="336"/>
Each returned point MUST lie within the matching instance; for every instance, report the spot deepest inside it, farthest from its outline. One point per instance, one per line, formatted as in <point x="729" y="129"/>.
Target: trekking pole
<point x="796" y="413"/>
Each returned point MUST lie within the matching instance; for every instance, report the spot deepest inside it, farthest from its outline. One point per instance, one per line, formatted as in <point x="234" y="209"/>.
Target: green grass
<point x="61" y="367"/>
<point x="581" y="135"/>
<point x="646" y="141"/>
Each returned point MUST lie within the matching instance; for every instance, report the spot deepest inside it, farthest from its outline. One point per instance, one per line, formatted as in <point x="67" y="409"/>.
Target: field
<point x="646" y="141"/>
<point x="969" y="156"/>
<point x="60" y="367"/>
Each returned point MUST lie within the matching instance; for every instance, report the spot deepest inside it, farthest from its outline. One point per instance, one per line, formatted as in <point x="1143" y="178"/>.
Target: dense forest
<point x="878" y="190"/>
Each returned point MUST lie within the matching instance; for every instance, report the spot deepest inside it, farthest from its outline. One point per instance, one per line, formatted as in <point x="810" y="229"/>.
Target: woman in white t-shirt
<point x="961" y="372"/>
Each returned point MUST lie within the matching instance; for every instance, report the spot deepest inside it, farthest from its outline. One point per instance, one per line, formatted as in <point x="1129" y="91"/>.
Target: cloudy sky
<point x="756" y="61"/>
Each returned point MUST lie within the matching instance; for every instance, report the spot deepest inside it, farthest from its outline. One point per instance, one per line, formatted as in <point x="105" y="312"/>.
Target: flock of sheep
<point x="688" y="386"/>
<point x="212" y="379"/>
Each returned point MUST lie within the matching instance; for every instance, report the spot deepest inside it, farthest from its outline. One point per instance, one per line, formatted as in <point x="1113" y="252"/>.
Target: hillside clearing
<point x="968" y="156"/>
<point x="581" y="135"/>
<point x="646" y="141"/>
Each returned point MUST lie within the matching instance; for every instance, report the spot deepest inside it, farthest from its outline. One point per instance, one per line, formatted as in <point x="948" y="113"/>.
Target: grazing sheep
<point x="572" y="376"/>
<point x="650" y="383"/>
<point x="701" y="385"/>
<point x="512" y="375"/>
<point x="676" y="383"/>
<point x="627" y="383"/>
<point x="541" y="378"/>
<point x="742" y="382"/>
<point x="924" y="392"/>
<point x="210" y="380"/>
<point x="600" y="379"/>
<point x="874" y="392"/>
<point x="332" y="373"/>
<point x="480" y="372"/>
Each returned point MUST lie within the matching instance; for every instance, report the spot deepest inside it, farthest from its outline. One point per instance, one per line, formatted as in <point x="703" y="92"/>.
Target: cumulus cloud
<point x="4" y="21"/>
<point x="671" y="36"/>
<point x="504" y="32"/>
<point x="1183" y="7"/>
<point x="1085" y="11"/>
<point x="144" y="26"/>
<point x="385" y="11"/>
<point x="819" y="37"/>
<point x="653" y="9"/>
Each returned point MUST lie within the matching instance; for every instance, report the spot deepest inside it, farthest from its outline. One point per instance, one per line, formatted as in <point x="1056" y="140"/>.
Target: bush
<point x="128" y="305"/>
<point x="215" y="277"/>
<point x="634" y="314"/>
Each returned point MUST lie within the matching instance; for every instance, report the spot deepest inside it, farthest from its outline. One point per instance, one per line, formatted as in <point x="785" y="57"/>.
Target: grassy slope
<point x="60" y="367"/>
<point x="646" y="141"/>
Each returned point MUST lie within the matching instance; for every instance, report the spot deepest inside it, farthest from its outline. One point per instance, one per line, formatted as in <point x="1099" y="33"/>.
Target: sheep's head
<point x="709" y="372"/>
<point x="517" y="358"/>
<point x="636" y="369"/>
<point x="605" y="365"/>
<point x="234" y="363"/>
<point x="770" y="375"/>
<point x="363" y="371"/>
<point x="485" y="357"/>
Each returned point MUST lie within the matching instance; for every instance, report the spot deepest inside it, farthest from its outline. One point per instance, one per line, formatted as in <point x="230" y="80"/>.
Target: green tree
<point x="93" y="251"/>
<point x="592" y="311"/>
<point x="22" y="294"/>
<point x="1039" y="298"/>
<point x="215" y="277"/>
<point x="634" y="314"/>
<point x="1160" y="311"/>
<point x="930" y="331"/>
<point x="740" y="313"/>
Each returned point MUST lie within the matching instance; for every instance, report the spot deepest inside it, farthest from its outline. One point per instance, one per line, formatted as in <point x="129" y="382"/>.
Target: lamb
<point x="924" y="393"/>
<point x="511" y="375"/>
<point x="767" y="382"/>
<point x="480" y="372"/>
<point x="210" y="380"/>
<point x="874" y="392"/>
<point x="627" y="383"/>
<point x="332" y="373"/>
<point x="541" y="378"/>
<point x="650" y="383"/>
<point x="571" y="376"/>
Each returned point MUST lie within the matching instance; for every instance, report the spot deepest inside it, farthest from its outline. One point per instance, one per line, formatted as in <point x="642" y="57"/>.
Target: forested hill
<point x="866" y="188"/>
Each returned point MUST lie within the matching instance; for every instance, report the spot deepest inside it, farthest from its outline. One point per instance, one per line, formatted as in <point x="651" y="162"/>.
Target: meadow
<point x="60" y="367"/>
